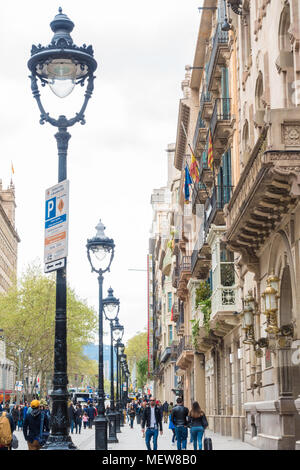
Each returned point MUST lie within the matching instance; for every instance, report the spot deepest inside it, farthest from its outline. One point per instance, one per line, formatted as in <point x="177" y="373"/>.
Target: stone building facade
<point x="9" y="240"/>
<point x="235" y="257"/>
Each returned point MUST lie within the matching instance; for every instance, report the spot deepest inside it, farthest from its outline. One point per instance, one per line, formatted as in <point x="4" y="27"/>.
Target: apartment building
<point x="235" y="254"/>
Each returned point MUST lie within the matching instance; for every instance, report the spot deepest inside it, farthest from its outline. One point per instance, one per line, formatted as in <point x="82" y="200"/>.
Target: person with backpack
<point x="198" y="423"/>
<point x="7" y="428"/>
<point x="35" y="424"/>
<point x="179" y="417"/>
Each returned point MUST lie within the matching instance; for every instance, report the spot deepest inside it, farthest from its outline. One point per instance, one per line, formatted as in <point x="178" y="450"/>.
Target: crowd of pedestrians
<point x="151" y="414"/>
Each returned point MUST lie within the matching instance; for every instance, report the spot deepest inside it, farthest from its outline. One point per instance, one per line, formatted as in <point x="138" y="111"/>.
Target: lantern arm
<point x="62" y="121"/>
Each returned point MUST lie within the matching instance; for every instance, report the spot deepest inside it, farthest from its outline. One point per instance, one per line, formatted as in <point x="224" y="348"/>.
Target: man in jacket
<point x="179" y="417"/>
<point x="32" y="426"/>
<point x="91" y="412"/>
<point x="152" y="417"/>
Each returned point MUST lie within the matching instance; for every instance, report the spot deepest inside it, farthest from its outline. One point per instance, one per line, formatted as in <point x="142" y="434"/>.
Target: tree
<point x="142" y="372"/>
<point x="136" y="348"/>
<point x="27" y="316"/>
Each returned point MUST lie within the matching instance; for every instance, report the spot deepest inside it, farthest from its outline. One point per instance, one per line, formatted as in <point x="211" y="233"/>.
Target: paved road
<point x="131" y="439"/>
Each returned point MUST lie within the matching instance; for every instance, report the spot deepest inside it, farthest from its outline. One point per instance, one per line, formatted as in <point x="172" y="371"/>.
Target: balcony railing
<point x="166" y="354"/>
<point x="220" y="196"/>
<point x="221" y="112"/>
<point x="175" y="276"/>
<point x="220" y="39"/>
<point x="185" y="344"/>
<point x="185" y="265"/>
<point x="199" y="125"/>
<point x="174" y="351"/>
<point x="180" y="321"/>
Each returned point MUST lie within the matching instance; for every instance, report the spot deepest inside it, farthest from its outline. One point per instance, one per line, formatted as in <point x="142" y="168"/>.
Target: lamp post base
<point x="59" y="443"/>
<point x="118" y="421"/>
<point x="112" y="437"/>
<point x="100" y="423"/>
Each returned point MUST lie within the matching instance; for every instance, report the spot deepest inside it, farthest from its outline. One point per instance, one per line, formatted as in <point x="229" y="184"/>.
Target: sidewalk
<point x="131" y="439"/>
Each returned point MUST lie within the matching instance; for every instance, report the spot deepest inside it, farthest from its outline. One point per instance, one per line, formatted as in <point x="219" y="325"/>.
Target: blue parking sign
<point x="50" y="208"/>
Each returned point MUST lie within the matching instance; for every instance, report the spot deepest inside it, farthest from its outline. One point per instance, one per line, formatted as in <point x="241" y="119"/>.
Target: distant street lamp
<point x="100" y="252"/>
<point x="61" y="65"/>
<point x="118" y="331"/>
<point x="111" y="307"/>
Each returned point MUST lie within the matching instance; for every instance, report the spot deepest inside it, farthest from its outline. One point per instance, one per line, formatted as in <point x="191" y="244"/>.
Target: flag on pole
<point x="194" y="170"/>
<point x="188" y="180"/>
<point x="210" y="157"/>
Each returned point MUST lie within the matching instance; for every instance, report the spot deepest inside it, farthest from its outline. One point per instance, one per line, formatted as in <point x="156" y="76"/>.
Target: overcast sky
<point x="118" y="157"/>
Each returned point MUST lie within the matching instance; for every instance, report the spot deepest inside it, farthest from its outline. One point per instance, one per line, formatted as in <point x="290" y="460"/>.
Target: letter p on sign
<point x="50" y="208"/>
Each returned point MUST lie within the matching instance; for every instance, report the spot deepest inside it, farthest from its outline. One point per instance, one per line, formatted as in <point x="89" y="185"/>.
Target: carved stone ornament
<point x="291" y="134"/>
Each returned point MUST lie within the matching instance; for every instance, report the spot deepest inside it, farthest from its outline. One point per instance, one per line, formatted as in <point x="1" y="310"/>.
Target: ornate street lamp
<point x="111" y="307"/>
<point x="100" y="253"/>
<point x="271" y="297"/>
<point x="248" y="319"/>
<point x="236" y="6"/>
<point x="119" y="347"/>
<point x="61" y="65"/>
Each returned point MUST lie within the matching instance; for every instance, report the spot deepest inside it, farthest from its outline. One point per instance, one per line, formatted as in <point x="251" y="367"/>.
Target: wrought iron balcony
<point x="220" y="54"/>
<point x="205" y="173"/>
<point x="199" y="195"/>
<point x="166" y="354"/>
<point x="185" y="344"/>
<point x="175" y="276"/>
<point x="174" y="351"/>
<point x="199" y="135"/>
<point x="214" y="206"/>
<point x="201" y="257"/>
<point x="180" y="323"/>
<point x="175" y="312"/>
<point x="206" y="105"/>
<point x="221" y="127"/>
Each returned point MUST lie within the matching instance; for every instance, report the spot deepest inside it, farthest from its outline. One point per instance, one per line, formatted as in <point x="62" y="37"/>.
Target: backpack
<point x="5" y="431"/>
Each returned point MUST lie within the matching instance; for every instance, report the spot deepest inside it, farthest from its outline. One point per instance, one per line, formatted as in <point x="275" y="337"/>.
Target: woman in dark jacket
<point x="131" y="415"/>
<point x="198" y="423"/>
<point x="78" y="418"/>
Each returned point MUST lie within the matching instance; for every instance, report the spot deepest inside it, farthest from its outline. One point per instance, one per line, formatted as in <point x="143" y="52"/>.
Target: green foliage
<point x="136" y="348"/>
<point x="142" y="372"/>
<point x="195" y="332"/>
<point x="203" y="300"/>
<point x="27" y="316"/>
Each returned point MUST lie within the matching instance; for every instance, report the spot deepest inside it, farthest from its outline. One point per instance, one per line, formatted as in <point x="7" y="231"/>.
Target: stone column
<point x="199" y="379"/>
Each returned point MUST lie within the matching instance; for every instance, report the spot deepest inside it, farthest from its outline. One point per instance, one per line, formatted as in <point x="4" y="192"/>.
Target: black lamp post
<point x="111" y="307"/>
<point x="61" y="65"/>
<point x="119" y="350"/>
<point x="100" y="252"/>
<point x="118" y="331"/>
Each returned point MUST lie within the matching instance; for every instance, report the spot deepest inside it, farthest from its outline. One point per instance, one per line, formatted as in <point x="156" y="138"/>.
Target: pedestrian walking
<point x="85" y="420"/>
<point x="15" y="415"/>
<point x="198" y="424"/>
<point x="91" y="412"/>
<point x="7" y="428"/>
<point x="153" y="419"/>
<point x="20" y="417"/>
<point x="172" y="427"/>
<point x="179" y="417"/>
<point x="71" y="413"/>
<point x="165" y="409"/>
<point x="78" y="418"/>
<point x="131" y="416"/>
<point x="35" y="424"/>
<point x="138" y="413"/>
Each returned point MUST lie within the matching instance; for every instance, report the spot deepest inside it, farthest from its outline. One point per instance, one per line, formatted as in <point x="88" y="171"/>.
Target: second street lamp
<point x="100" y="252"/>
<point x="111" y="307"/>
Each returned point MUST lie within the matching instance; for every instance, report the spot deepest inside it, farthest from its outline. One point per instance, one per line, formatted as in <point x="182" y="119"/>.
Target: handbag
<point x="14" y="443"/>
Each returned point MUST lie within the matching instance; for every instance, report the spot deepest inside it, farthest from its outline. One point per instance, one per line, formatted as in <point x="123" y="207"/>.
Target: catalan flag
<point x="188" y="180"/>
<point x="210" y="157"/>
<point x="194" y="171"/>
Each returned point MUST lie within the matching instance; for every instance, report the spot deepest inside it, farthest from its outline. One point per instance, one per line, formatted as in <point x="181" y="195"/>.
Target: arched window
<point x="286" y="300"/>
<point x="259" y="91"/>
<point x="285" y="60"/>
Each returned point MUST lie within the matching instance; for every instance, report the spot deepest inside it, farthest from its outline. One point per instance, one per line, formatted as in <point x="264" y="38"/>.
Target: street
<point x="131" y="439"/>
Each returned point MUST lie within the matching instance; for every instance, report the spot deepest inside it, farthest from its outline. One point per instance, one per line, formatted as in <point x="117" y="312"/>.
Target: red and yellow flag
<point x="210" y="157"/>
<point x="194" y="171"/>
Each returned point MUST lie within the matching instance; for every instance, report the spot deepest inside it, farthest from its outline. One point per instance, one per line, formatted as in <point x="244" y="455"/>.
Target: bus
<point x="80" y="395"/>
